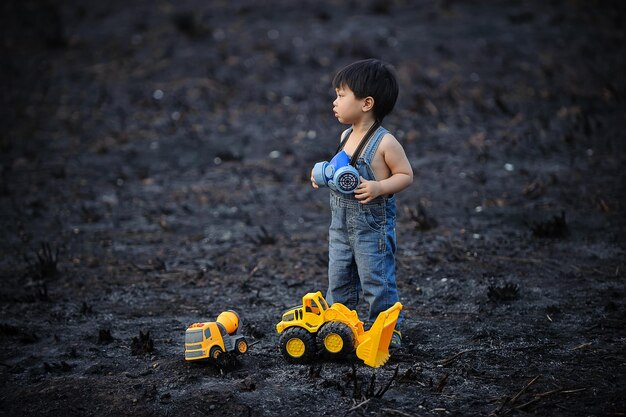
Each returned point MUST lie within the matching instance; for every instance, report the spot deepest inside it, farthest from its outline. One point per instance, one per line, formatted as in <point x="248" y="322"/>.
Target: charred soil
<point x="155" y="159"/>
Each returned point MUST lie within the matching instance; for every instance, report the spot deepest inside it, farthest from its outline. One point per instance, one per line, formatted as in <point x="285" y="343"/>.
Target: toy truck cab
<point x="204" y="340"/>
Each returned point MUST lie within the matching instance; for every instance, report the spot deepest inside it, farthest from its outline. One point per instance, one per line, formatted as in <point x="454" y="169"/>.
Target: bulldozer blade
<point x="373" y="348"/>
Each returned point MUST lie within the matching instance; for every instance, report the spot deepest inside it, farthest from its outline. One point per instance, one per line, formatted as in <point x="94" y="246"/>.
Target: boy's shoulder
<point x="388" y="138"/>
<point x="390" y="145"/>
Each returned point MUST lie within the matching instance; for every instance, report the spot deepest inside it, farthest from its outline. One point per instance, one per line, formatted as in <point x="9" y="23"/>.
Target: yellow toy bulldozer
<point x="335" y="330"/>
<point x="211" y="339"/>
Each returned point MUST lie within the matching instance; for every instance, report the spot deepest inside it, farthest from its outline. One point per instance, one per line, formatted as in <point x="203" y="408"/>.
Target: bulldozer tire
<point x="215" y="352"/>
<point x="297" y="345"/>
<point x="242" y="346"/>
<point x="336" y="339"/>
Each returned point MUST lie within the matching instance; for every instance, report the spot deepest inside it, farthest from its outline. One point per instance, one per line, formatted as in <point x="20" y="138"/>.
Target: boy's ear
<point x="368" y="103"/>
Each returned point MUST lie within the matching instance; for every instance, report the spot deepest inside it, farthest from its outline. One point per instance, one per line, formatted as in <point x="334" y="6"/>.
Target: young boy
<point x="362" y="239"/>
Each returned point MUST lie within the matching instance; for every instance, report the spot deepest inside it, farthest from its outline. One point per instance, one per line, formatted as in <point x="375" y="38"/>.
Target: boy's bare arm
<point x="401" y="173"/>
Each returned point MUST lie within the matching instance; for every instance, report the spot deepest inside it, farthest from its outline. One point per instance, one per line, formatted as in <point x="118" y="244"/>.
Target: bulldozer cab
<point x="310" y="315"/>
<point x="314" y="303"/>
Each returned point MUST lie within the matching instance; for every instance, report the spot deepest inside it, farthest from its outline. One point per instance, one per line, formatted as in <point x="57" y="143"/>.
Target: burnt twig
<point x="514" y="399"/>
<point x="554" y="228"/>
<point x="511" y="401"/>
<point x="371" y="392"/>
<point x="396" y="412"/>
<point x="104" y="336"/>
<point x="264" y="238"/>
<point x="454" y="357"/>
<point x="584" y="345"/>
<point x="442" y="383"/>
<point x="46" y="264"/>
<point x="157" y="264"/>
<point x="508" y="292"/>
<point x="142" y="344"/>
<point x="383" y="390"/>
<point x="356" y="407"/>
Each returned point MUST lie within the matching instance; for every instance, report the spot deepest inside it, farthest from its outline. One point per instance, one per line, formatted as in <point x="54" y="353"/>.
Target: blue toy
<point x="338" y="174"/>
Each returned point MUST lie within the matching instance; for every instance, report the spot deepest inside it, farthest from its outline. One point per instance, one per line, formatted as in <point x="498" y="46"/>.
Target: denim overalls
<point x="362" y="245"/>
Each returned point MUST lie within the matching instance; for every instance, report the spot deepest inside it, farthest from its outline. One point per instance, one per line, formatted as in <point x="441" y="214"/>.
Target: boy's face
<point x="347" y="108"/>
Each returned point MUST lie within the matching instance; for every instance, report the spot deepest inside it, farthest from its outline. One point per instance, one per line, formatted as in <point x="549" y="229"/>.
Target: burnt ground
<point x="155" y="160"/>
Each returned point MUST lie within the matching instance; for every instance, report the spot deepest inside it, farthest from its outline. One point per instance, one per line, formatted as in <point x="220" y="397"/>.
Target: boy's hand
<point x="313" y="183"/>
<point x="367" y="191"/>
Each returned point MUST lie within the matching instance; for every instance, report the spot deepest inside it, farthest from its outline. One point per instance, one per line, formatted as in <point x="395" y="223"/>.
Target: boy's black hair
<point x="371" y="77"/>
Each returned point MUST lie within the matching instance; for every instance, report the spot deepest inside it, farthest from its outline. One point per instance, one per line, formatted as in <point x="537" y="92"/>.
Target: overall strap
<point x="372" y="146"/>
<point x="364" y="141"/>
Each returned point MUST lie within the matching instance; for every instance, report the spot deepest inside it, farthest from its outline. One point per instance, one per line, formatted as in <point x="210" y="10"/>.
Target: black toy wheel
<point x="242" y="346"/>
<point x="297" y="345"/>
<point x="215" y="352"/>
<point x="336" y="339"/>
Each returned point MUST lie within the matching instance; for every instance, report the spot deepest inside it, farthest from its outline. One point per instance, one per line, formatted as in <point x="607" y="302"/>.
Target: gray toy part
<point x="346" y="179"/>
<point x="319" y="173"/>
